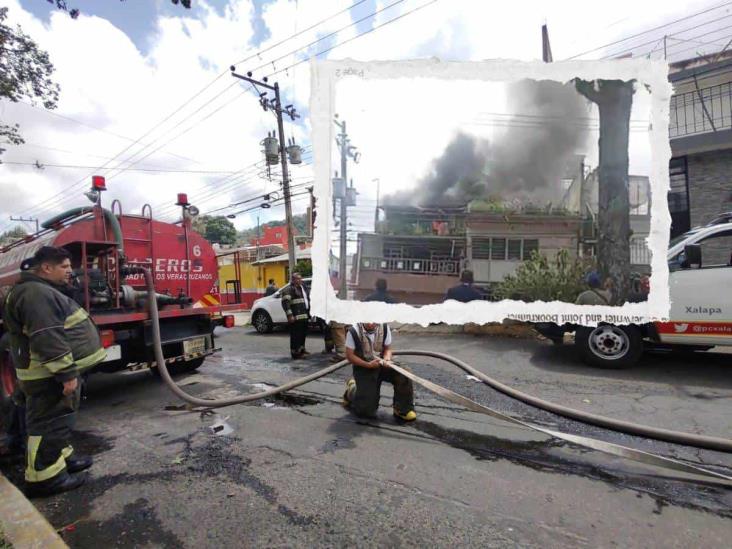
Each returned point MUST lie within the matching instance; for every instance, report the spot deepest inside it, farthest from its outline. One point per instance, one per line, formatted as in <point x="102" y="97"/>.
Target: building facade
<point x="421" y="252"/>
<point x="700" y="130"/>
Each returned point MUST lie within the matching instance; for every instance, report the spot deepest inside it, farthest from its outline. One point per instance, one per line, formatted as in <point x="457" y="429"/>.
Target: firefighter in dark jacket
<point x="296" y="303"/>
<point x="368" y="349"/>
<point x="464" y="292"/>
<point x="54" y="341"/>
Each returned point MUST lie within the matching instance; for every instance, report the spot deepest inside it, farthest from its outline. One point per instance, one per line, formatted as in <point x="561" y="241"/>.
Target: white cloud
<point x="107" y="82"/>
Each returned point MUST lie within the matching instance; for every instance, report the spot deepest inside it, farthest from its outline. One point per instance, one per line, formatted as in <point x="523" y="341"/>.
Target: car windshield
<point x="680" y="238"/>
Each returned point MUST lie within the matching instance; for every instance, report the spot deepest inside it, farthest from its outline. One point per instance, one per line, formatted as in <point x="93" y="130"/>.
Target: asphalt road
<point x="298" y="470"/>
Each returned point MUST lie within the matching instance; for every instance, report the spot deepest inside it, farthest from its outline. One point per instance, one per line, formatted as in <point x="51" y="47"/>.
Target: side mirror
<point x="693" y="255"/>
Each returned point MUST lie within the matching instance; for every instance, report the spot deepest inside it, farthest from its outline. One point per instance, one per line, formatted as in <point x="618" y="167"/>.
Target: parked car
<point x="268" y="314"/>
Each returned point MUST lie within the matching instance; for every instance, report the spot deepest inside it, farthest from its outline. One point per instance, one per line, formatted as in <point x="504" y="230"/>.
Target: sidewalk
<point x="20" y="522"/>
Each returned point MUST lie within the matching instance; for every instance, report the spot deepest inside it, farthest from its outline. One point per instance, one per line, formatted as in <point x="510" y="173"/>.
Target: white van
<point x="700" y="285"/>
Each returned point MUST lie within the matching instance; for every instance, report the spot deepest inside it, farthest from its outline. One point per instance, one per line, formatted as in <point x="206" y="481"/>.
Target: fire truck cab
<point x="700" y="279"/>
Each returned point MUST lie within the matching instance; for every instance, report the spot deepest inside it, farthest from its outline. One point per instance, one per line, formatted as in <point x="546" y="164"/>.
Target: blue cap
<point x="593" y="279"/>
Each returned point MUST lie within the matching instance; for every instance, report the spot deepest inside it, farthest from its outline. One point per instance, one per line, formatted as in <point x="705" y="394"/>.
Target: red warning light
<point x="182" y="199"/>
<point x="99" y="183"/>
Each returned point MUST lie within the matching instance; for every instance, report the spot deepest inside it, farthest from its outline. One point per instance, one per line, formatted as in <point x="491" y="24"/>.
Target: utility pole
<point x="26" y="220"/>
<point x="276" y="106"/>
<point x="546" y="48"/>
<point x="346" y="152"/>
<point x="378" y="194"/>
<point x="664" y="47"/>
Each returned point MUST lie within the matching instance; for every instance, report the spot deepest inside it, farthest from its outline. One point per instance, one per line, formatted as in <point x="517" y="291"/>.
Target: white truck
<point x="700" y="285"/>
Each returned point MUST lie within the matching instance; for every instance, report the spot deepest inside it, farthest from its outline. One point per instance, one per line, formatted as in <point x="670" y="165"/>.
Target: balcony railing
<point x="639" y="252"/>
<point x="707" y="110"/>
<point x="444" y="267"/>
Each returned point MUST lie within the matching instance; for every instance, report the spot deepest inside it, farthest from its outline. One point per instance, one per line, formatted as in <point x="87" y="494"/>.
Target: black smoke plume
<point x="547" y="125"/>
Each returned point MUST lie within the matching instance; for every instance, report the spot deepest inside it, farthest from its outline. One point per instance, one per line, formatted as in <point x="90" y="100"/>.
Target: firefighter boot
<point x="63" y="482"/>
<point x="411" y="415"/>
<point x="76" y="464"/>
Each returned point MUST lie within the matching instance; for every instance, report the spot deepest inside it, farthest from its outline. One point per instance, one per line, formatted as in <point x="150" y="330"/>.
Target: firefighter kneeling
<point x="364" y="344"/>
<point x="53" y="341"/>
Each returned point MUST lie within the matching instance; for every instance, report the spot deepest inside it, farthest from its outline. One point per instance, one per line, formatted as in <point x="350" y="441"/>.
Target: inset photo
<point x="481" y="191"/>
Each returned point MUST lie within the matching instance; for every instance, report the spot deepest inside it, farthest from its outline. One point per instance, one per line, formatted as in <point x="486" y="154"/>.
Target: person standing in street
<point x="296" y="303"/>
<point x="53" y="341"/>
<point x="380" y="293"/>
<point x="595" y="295"/>
<point x="368" y="349"/>
<point x="465" y="291"/>
<point x="271" y="288"/>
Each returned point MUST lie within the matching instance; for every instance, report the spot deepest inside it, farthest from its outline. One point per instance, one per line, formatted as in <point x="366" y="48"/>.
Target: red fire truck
<point x="107" y="247"/>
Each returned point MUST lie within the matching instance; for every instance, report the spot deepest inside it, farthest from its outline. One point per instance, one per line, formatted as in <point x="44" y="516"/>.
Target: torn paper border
<point x="651" y="73"/>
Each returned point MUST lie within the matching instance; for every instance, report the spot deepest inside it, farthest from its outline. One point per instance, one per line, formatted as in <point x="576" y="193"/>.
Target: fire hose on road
<point x="699" y="441"/>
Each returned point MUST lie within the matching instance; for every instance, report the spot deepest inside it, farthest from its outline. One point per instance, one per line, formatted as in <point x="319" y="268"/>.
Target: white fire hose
<point x="712" y="443"/>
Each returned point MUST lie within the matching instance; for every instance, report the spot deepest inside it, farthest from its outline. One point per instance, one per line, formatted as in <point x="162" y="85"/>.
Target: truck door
<point x="701" y="300"/>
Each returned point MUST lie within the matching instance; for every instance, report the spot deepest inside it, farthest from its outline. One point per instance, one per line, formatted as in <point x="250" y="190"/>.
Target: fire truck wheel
<point x="179" y="368"/>
<point x="262" y="322"/>
<point x="610" y="347"/>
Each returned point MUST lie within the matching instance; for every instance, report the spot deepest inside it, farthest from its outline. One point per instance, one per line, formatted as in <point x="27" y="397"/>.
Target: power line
<point x="44" y="165"/>
<point x="630" y="50"/>
<point x="93" y="127"/>
<point x="244" y="60"/>
<point x="650" y="30"/>
<point x="679" y="52"/>
<point x="210" y="114"/>
<point x="306" y="46"/>
<point x="218" y="187"/>
<point x="185" y="103"/>
<point x="372" y="29"/>
<point x="349" y="8"/>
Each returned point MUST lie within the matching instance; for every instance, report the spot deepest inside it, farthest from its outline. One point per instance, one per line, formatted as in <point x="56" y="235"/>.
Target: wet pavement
<point x="297" y="469"/>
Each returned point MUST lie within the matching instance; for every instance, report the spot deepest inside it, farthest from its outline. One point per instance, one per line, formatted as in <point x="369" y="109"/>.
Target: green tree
<point x="216" y="229"/>
<point x="11" y="235"/>
<point x="304" y="267"/>
<point x="539" y="279"/>
<point x="25" y="73"/>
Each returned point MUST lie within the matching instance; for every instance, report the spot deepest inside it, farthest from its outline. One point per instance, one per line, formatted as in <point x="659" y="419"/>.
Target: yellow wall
<point x="253" y="277"/>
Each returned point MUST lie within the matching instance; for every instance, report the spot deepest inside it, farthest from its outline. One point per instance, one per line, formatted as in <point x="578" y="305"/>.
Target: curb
<point x="22" y="524"/>
<point x="506" y="329"/>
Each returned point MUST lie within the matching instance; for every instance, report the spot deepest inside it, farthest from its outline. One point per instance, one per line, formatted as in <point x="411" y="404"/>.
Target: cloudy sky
<point x="147" y="101"/>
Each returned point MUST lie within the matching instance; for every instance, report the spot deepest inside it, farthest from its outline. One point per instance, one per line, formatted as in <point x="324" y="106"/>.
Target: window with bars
<point x="514" y="250"/>
<point x="498" y="248"/>
<point x="501" y="249"/>
<point x="481" y="248"/>
<point x="530" y="246"/>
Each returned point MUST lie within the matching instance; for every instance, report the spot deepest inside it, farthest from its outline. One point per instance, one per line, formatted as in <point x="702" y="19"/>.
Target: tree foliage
<point x="25" y="73"/>
<point x="216" y="229"/>
<point x="304" y="267"/>
<point x="541" y="279"/>
<point x="11" y="235"/>
<point x="74" y="12"/>
<point x="300" y="221"/>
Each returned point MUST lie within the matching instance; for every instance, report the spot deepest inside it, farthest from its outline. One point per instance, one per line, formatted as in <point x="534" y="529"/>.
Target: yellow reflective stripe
<point x="93" y="359"/>
<point x="32" y="374"/>
<point x="78" y="316"/>
<point x="57" y="364"/>
<point x="66" y="452"/>
<point x="31" y="474"/>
